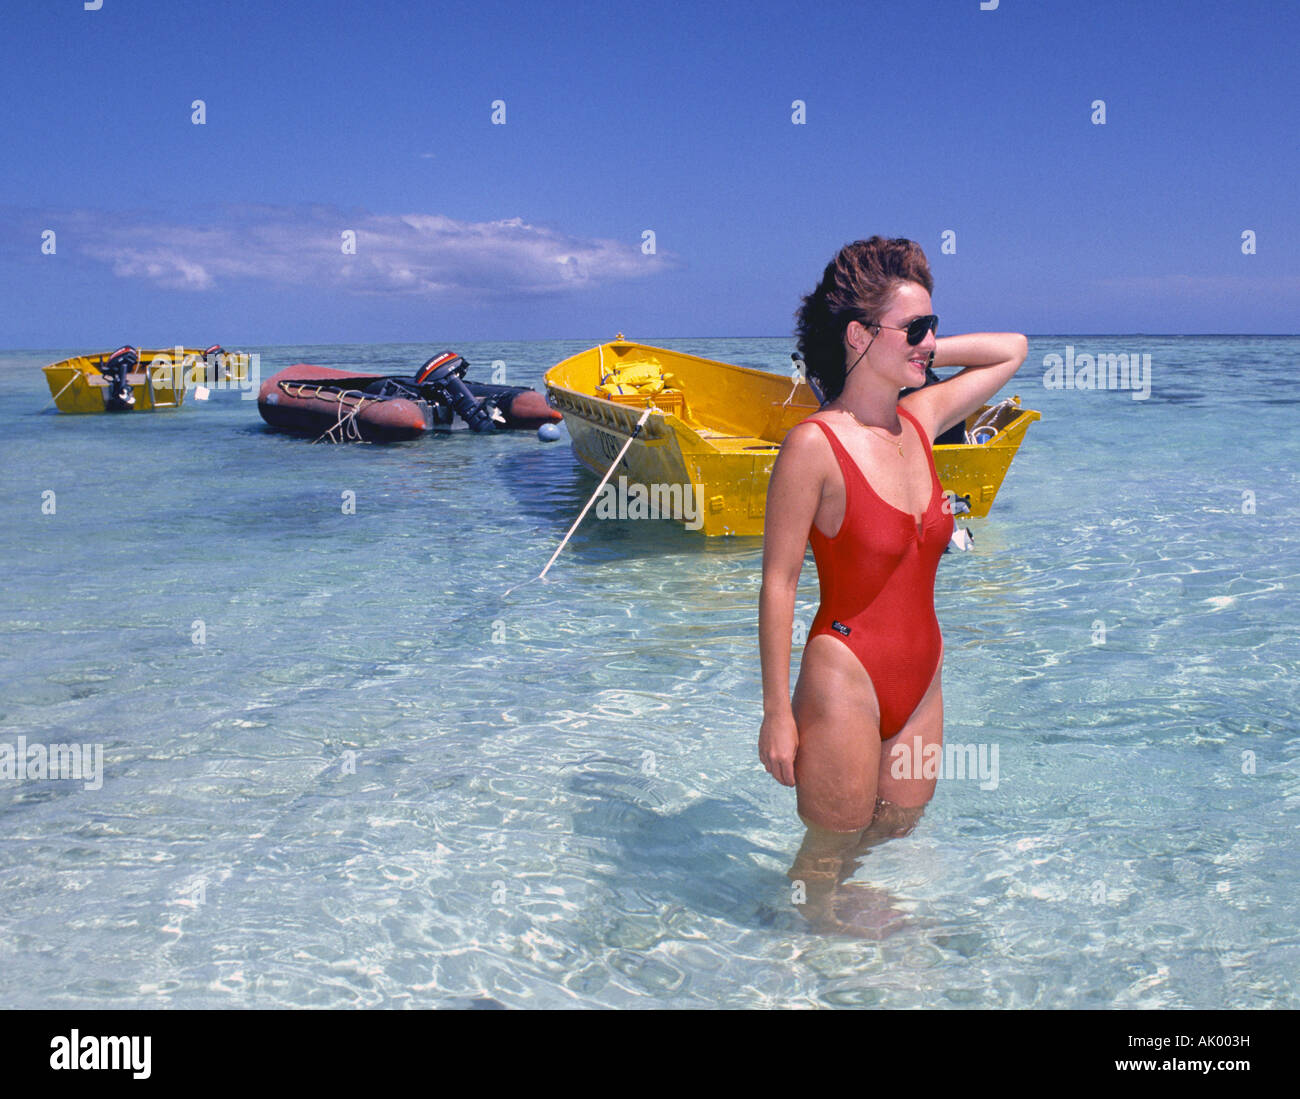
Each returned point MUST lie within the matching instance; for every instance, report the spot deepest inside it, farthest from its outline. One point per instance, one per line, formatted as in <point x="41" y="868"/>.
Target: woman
<point x="857" y="480"/>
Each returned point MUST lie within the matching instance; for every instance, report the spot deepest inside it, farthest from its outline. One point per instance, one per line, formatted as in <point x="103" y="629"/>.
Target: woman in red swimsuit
<point x="857" y="480"/>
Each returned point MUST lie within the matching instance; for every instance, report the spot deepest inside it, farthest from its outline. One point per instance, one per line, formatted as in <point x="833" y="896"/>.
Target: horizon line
<point x="574" y="339"/>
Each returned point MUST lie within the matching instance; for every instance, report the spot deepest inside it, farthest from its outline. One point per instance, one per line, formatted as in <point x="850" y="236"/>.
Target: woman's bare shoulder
<point x="806" y="458"/>
<point x="806" y="443"/>
<point x="805" y="434"/>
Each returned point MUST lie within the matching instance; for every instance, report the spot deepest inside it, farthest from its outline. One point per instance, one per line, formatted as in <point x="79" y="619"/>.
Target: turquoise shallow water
<point x="379" y="782"/>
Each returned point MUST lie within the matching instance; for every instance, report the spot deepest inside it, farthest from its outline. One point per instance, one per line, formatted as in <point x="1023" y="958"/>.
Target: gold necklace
<point x="892" y="442"/>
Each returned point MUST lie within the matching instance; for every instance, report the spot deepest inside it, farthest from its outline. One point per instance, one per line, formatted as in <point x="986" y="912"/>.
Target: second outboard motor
<point x="444" y="373"/>
<point x="214" y="360"/>
<point x="121" y="362"/>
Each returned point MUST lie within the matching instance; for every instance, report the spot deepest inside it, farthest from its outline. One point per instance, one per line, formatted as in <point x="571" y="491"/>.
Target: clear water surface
<point x="379" y="782"/>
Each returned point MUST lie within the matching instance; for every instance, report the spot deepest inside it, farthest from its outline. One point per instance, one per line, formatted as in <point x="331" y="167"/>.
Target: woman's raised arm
<point x="991" y="360"/>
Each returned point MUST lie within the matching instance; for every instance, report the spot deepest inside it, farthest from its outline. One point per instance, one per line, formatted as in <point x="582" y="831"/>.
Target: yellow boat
<point x="717" y="428"/>
<point x="157" y="379"/>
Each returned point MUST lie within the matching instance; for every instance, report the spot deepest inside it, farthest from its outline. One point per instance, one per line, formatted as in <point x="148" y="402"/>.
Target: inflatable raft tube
<point x="320" y="401"/>
<point x="324" y="402"/>
<point x="522" y="409"/>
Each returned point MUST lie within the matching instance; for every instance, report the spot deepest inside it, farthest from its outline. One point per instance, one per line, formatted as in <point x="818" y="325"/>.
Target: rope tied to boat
<point x="351" y="401"/>
<point x="987" y="421"/>
<point x="347" y="427"/>
<point x="75" y="375"/>
<point x="798" y="374"/>
<point x="650" y="407"/>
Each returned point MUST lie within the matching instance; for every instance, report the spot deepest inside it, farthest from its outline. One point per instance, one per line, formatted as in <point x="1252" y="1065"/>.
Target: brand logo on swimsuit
<point x="840" y="627"/>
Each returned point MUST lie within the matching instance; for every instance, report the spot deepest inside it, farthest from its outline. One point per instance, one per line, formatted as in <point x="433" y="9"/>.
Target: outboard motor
<point x="444" y="374"/>
<point x="212" y="359"/>
<point x="121" y="362"/>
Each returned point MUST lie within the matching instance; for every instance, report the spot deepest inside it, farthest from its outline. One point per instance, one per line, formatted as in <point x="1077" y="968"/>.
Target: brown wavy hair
<point x="856" y="286"/>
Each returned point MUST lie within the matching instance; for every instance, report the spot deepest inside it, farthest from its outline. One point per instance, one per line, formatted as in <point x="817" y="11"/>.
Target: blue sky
<point x="620" y="118"/>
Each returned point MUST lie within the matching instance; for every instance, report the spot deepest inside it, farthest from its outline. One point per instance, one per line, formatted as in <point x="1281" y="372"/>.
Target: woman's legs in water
<point x="842" y="768"/>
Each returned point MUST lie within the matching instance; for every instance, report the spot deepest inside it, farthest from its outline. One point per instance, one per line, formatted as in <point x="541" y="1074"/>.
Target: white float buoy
<point x="548" y="433"/>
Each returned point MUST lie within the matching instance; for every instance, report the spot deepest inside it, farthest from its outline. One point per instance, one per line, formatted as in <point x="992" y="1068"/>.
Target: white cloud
<point x="427" y="255"/>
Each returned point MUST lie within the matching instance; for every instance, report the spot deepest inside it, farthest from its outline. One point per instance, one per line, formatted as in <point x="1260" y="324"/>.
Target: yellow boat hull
<point x="717" y="428"/>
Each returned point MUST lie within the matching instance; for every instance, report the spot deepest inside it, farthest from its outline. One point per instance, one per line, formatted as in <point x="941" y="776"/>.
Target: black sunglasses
<point x="916" y="330"/>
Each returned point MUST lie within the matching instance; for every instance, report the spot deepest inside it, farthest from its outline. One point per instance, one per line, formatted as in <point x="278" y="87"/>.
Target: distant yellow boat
<point x="718" y="428"/>
<point x="128" y="380"/>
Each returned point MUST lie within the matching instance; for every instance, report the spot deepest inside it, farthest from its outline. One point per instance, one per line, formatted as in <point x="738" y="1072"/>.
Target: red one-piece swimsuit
<point x="877" y="586"/>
